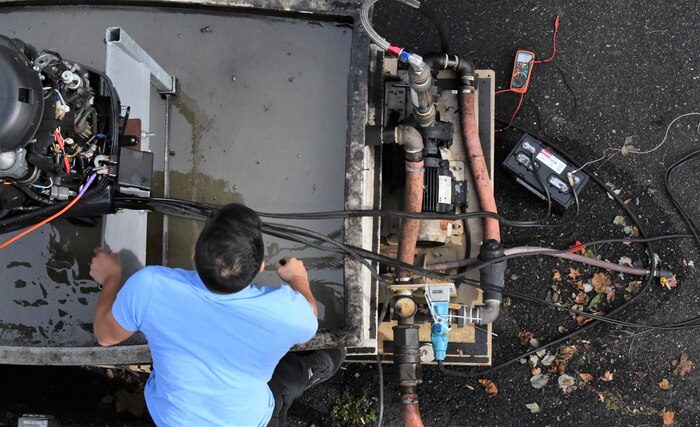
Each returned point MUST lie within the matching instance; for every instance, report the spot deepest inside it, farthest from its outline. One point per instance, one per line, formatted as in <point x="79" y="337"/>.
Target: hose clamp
<point x="468" y="91"/>
<point x="409" y="401"/>
<point x="415" y="170"/>
<point x="402" y="279"/>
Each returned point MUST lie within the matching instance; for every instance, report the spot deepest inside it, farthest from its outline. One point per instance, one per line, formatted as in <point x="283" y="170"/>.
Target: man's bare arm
<point x="294" y="273"/>
<point x="106" y="269"/>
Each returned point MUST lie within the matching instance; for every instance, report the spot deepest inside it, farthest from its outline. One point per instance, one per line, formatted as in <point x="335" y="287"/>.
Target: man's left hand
<point x="106" y="268"/>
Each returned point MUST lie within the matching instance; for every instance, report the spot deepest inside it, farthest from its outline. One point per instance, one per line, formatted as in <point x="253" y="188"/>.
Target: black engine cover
<point x="21" y="97"/>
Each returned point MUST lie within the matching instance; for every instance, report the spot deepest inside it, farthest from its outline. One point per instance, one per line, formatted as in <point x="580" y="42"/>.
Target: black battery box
<point x="530" y="158"/>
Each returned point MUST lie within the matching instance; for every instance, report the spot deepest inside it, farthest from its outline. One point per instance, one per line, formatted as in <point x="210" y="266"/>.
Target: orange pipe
<point x="408" y="235"/>
<point x="410" y="410"/>
<point x="477" y="164"/>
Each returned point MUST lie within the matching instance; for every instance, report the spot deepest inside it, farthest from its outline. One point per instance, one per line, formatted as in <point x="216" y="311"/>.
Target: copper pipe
<point x="410" y="410"/>
<point x="413" y="203"/>
<point x="477" y="163"/>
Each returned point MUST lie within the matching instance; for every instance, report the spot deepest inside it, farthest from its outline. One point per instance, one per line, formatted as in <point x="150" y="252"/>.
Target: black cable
<point x="668" y="174"/>
<point x="127" y="202"/>
<point x="380" y="418"/>
<point x="438" y="24"/>
<point x="446" y="371"/>
<point x="567" y="337"/>
<point x="685" y="324"/>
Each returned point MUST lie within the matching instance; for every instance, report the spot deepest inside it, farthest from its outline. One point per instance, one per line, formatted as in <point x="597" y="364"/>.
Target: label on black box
<point x="551" y="161"/>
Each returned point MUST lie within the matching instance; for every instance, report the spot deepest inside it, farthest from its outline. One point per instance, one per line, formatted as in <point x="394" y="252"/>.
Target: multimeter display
<point x="522" y="69"/>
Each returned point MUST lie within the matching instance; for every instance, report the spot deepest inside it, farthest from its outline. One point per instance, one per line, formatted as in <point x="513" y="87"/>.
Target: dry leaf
<point x="539" y="381"/>
<point x="557" y="276"/>
<point x="664" y="384"/>
<point x="567" y="383"/>
<point x="610" y="296"/>
<point x="548" y="360"/>
<point x="683" y="365"/>
<point x="574" y="273"/>
<point x="533" y="407"/>
<point x="536" y="371"/>
<point x="585" y="377"/>
<point x="600" y="282"/>
<point x="582" y="320"/>
<point x="601" y="397"/>
<point x="669" y="282"/>
<point x="607" y="376"/>
<point x="668" y="417"/>
<point x="489" y="386"/>
<point x="525" y="337"/>
<point x="633" y="287"/>
<point x="581" y="298"/>
<point x="567" y="352"/>
<point x="628" y="201"/>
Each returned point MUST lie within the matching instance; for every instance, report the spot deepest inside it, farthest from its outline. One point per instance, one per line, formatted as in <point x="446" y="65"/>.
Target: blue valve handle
<point x="440" y="330"/>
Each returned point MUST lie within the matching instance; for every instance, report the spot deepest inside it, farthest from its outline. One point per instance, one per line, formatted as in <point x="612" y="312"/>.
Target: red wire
<point x="59" y="139"/>
<point x="515" y="113"/>
<point x="554" y="43"/>
<point x="502" y="91"/>
<point x="47" y="220"/>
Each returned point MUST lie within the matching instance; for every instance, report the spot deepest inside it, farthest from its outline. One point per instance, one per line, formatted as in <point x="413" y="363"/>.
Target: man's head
<point x="229" y="251"/>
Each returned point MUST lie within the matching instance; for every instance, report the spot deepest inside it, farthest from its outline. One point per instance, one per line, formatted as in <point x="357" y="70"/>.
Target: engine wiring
<point x="52" y="217"/>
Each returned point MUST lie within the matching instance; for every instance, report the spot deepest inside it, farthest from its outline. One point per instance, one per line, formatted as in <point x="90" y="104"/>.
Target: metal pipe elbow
<point x="411" y="140"/>
<point x="489" y="312"/>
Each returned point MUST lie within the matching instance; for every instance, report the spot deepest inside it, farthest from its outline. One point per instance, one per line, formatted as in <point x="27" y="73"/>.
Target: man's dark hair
<point x="230" y="249"/>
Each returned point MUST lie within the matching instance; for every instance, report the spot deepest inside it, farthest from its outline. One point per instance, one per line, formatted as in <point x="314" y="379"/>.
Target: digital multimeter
<point x="522" y="70"/>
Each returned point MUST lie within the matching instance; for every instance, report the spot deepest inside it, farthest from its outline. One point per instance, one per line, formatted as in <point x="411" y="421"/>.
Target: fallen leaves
<point x="525" y="337"/>
<point x="567" y="383"/>
<point x="683" y="366"/>
<point x="581" y="298"/>
<point x="594" y="302"/>
<point x="582" y="320"/>
<point x="574" y="273"/>
<point x="548" y="360"/>
<point x="533" y="407"/>
<point x="539" y="381"/>
<point x="585" y="377"/>
<point x="607" y="376"/>
<point x="632" y="288"/>
<point x="489" y="386"/>
<point x="667" y="417"/>
<point x="556" y="276"/>
<point x="600" y="282"/>
<point x="610" y="296"/>
<point x="669" y="282"/>
<point x="664" y="384"/>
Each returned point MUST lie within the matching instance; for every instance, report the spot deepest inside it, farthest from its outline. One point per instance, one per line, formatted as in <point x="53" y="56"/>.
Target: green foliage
<point x="351" y="410"/>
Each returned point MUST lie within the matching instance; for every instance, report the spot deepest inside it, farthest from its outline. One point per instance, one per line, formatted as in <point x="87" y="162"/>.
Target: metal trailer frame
<point x="361" y="180"/>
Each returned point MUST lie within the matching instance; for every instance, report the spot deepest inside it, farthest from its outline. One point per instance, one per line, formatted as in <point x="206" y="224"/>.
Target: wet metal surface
<point x="261" y="119"/>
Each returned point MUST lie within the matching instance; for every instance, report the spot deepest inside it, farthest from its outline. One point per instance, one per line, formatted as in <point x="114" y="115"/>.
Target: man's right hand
<point x="292" y="271"/>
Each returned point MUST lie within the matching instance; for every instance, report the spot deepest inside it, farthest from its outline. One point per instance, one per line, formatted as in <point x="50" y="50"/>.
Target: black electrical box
<point x="135" y="169"/>
<point x="531" y="159"/>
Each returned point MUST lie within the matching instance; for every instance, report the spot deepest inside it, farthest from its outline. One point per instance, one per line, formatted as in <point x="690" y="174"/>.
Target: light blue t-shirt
<point x="212" y="354"/>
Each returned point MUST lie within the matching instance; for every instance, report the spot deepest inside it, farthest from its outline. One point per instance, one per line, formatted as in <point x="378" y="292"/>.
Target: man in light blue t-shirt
<point x="219" y="344"/>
